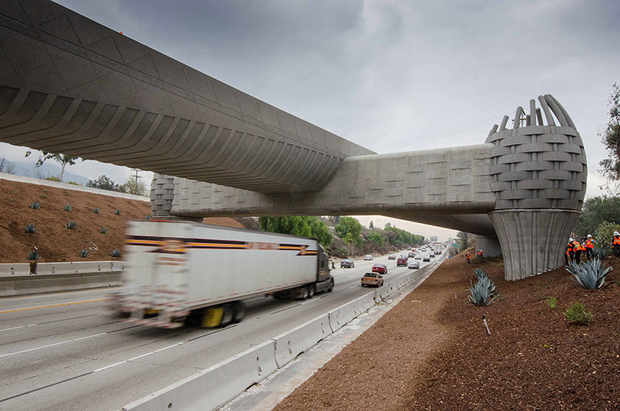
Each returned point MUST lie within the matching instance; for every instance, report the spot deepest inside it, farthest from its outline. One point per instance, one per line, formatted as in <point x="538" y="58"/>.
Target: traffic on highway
<point x="68" y="351"/>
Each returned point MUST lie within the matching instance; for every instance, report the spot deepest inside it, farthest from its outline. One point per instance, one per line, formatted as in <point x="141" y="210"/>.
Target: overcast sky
<point x="390" y="75"/>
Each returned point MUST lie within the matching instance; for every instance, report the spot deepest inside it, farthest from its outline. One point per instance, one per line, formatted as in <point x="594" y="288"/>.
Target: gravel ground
<point x="432" y="351"/>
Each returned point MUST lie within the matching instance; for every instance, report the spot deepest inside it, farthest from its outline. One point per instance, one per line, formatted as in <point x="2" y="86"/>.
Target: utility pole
<point x="137" y="176"/>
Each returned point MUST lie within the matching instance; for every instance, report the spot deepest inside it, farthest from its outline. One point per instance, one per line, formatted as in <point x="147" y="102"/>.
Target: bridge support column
<point x="532" y="240"/>
<point x="162" y="194"/>
<point x="489" y="246"/>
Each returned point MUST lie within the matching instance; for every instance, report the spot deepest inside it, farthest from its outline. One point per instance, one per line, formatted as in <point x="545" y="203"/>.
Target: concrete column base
<point x="490" y="246"/>
<point x="533" y="241"/>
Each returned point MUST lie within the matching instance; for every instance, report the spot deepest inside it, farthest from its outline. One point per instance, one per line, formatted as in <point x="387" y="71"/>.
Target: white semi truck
<point x="438" y="248"/>
<point x="180" y="271"/>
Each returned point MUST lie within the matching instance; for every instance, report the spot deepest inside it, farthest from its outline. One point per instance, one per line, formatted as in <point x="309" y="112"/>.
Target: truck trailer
<point x="438" y="248"/>
<point x="182" y="270"/>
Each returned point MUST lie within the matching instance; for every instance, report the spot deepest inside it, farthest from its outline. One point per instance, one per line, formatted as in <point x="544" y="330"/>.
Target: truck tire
<point x="331" y="287"/>
<point x="303" y="293"/>
<point x="238" y="311"/>
<point x="311" y="290"/>
<point x="227" y="315"/>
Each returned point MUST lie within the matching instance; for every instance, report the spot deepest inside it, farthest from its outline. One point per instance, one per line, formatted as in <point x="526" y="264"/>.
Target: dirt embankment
<point x="432" y="352"/>
<point x="56" y="243"/>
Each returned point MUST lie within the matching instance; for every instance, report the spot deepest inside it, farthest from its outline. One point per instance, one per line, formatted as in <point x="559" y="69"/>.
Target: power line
<point x="439" y="134"/>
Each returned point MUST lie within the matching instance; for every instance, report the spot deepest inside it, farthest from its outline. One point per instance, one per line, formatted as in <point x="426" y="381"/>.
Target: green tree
<point x="604" y="234"/>
<point x="350" y="228"/>
<point x="596" y="211"/>
<point x="135" y="187"/>
<point x="311" y="227"/>
<point x="104" y="182"/>
<point x="376" y="238"/>
<point x="611" y="137"/>
<point x="63" y="159"/>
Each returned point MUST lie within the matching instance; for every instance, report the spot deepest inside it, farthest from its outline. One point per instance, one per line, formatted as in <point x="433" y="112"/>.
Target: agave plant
<point x="35" y="206"/>
<point x="96" y="210"/>
<point x="83" y="253"/>
<point x="147" y="217"/>
<point x="103" y="230"/>
<point x="33" y="255"/>
<point x="71" y="225"/>
<point x="117" y="212"/>
<point x="480" y="274"/>
<point x="600" y="253"/>
<point x="482" y="293"/>
<point x="68" y="207"/>
<point x="116" y="253"/>
<point x="30" y="229"/>
<point x="589" y="274"/>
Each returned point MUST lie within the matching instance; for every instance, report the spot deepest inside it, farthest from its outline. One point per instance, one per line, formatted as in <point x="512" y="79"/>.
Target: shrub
<point x="117" y="212"/>
<point x="589" y="274"/>
<point x="577" y="314"/>
<point x="482" y="293"/>
<point x="116" y="253"/>
<point x="376" y="238"/>
<point x="96" y="210"/>
<point x="551" y="302"/>
<point x="103" y="230"/>
<point x="35" y="206"/>
<point x="480" y="274"/>
<point x="67" y="207"/>
<point x="30" y="229"/>
<point x="71" y="225"/>
<point x="83" y="253"/>
<point x="33" y="255"/>
<point x="147" y="217"/>
<point x="600" y="253"/>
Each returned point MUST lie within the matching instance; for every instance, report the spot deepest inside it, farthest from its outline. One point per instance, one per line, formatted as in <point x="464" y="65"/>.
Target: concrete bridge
<point x="71" y="85"/>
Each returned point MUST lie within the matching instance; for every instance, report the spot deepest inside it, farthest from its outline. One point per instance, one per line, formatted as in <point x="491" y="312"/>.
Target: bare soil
<point x="432" y="351"/>
<point x="56" y="243"/>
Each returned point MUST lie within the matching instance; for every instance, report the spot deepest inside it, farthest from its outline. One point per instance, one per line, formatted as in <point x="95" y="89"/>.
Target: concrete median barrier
<point x="215" y="386"/>
<point x="52" y="283"/>
<point x="292" y="343"/>
<point x="341" y="315"/>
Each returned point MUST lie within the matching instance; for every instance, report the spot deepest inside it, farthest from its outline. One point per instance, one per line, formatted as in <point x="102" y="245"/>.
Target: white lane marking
<point x="17" y="328"/>
<point x="51" y="345"/>
<point x="139" y="356"/>
<point x="311" y="301"/>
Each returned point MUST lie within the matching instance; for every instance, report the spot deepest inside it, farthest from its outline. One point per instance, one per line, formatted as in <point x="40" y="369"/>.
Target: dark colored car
<point x="401" y="262"/>
<point x="347" y="264"/>
<point x="427" y="258"/>
<point x="379" y="268"/>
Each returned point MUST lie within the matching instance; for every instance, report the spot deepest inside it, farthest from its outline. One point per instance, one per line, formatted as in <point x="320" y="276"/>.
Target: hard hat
<point x="616" y="233"/>
<point x="589" y="235"/>
<point x="570" y="240"/>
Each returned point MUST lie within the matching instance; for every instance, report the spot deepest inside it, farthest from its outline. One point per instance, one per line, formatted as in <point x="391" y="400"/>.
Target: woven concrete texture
<point x="70" y="85"/>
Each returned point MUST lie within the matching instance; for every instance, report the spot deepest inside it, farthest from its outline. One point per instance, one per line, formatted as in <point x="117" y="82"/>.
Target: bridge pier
<point x="489" y="246"/>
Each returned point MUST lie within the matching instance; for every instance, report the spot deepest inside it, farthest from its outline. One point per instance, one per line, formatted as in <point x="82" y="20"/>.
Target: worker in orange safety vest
<point x="468" y="258"/>
<point x="570" y="252"/>
<point x="578" y="248"/>
<point x="589" y="246"/>
<point x="615" y="243"/>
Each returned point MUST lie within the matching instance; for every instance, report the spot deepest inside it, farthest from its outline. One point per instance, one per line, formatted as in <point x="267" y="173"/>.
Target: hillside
<point x="57" y="243"/>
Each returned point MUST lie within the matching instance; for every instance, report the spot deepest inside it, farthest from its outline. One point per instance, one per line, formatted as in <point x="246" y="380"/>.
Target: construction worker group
<point x="574" y="248"/>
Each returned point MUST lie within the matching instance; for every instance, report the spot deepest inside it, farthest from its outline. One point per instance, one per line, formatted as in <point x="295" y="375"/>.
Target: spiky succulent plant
<point x="83" y="253"/>
<point x="33" y="255"/>
<point x="30" y="229"/>
<point x="117" y="212"/>
<point x="71" y="225"/>
<point x="35" y="206"/>
<point x="589" y="274"/>
<point x="103" y="230"/>
<point x="68" y="207"/>
<point x="116" y="253"/>
<point x="96" y="210"/>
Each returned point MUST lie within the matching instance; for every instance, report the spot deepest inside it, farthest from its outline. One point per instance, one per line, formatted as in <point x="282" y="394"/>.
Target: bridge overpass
<point x="71" y="85"/>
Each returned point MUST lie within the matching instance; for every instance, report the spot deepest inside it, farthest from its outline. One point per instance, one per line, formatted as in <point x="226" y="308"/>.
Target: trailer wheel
<point x="311" y="290"/>
<point x="331" y="287"/>
<point x="303" y="293"/>
<point x="238" y="311"/>
<point x="227" y="315"/>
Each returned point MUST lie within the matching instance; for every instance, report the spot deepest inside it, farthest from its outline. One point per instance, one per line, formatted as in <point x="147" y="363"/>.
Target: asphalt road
<point x="66" y="352"/>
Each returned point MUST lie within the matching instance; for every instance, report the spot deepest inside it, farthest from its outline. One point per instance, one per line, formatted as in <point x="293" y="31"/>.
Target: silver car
<point x="413" y="264"/>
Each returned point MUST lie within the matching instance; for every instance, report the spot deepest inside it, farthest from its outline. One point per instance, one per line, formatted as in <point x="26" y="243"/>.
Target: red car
<point x="401" y="262"/>
<point x="379" y="268"/>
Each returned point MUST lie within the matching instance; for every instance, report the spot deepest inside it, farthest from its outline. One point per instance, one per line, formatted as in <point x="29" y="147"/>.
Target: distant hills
<point x="48" y="169"/>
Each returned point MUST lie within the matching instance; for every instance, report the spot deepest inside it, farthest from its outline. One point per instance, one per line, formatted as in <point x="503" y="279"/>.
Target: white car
<point x="368" y="257"/>
<point x="413" y="264"/>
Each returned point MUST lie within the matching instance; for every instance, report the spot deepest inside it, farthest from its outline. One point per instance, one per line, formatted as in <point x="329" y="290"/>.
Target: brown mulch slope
<point x="436" y="354"/>
<point x="54" y="241"/>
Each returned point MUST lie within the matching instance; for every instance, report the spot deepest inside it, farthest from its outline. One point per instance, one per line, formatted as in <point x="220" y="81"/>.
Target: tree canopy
<point x="104" y="182"/>
<point x="349" y="229"/>
<point x="311" y="227"/>
<point x="611" y="137"/>
<point x="596" y="211"/>
<point x="63" y="159"/>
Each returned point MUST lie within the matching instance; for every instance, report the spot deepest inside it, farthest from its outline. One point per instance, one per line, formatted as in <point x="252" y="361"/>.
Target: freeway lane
<point x="60" y="356"/>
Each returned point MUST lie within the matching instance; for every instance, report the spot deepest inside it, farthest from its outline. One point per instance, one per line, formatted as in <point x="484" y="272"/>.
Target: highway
<point x="66" y="351"/>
